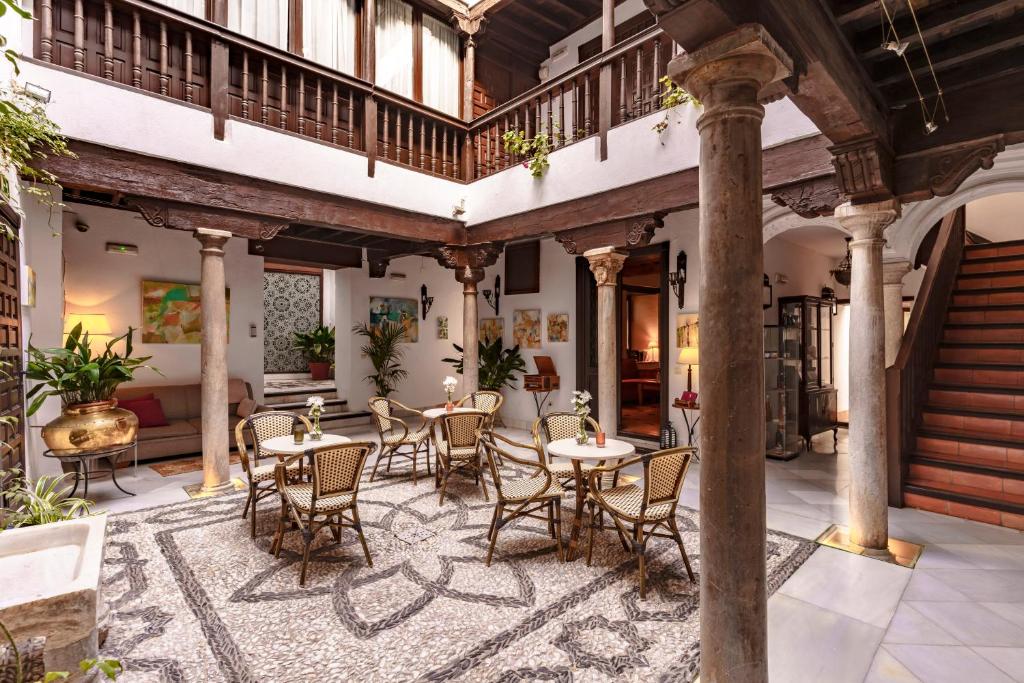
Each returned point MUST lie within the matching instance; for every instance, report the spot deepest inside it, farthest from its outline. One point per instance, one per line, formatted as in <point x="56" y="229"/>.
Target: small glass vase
<point x="316" y="433"/>
<point x="581" y="436"/>
<point x="449" y="407"/>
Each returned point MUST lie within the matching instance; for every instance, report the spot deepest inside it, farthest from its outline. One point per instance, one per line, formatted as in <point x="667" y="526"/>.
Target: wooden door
<point x="586" y="334"/>
<point x="12" y="453"/>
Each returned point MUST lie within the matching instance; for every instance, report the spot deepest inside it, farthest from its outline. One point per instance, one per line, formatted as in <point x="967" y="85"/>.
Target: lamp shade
<point x="93" y="323"/>
<point x="688" y="355"/>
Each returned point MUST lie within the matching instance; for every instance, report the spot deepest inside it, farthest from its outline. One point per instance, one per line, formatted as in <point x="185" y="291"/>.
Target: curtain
<point x="394" y="46"/>
<point x="264" y="20"/>
<point x="196" y="8"/>
<point x="441" y="87"/>
<point x="329" y="33"/>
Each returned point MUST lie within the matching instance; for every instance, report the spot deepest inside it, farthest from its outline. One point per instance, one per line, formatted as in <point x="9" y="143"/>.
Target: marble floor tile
<point x="972" y="624"/>
<point x="1010" y="660"/>
<point x="887" y="669"/>
<point x="947" y="664"/>
<point x="910" y="627"/>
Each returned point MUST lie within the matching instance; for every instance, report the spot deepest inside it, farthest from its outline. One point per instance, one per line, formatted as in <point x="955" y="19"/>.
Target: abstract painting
<point x="526" y="328"/>
<point x="558" y="327"/>
<point x="442" y="327"/>
<point x="172" y="312"/>
<point x="401" y="311"/>
<point x="491" y="329"/>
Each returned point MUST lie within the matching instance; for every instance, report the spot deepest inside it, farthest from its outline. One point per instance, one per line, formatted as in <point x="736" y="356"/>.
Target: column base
<point x="902" y="553"/>
<point x="225" y="488"/>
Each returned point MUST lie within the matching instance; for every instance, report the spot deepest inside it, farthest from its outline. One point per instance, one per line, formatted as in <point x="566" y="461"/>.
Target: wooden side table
<point x="690" y="426"/>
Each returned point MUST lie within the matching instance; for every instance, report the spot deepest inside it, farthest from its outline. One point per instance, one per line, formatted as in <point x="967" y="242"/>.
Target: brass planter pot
<point x="91" y="427"/>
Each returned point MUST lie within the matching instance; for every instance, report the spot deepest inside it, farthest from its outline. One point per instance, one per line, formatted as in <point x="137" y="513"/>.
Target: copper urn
<point x="86" y="427"/>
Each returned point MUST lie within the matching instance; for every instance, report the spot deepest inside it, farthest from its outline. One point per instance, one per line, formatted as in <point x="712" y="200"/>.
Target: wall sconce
<point x="425" y="301"/>
<point x="493" y="298"/>
<point x="678" y="278"/>
<point x="766" y="292"/>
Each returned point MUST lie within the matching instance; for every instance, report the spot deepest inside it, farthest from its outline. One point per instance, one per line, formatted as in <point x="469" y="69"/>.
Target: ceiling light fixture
<point x="892" y="42"/>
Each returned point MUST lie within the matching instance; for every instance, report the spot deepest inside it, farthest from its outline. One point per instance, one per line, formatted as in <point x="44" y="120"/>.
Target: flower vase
<point x="449" y="407"/>
<point x="316" y="433"/>
<point x="582" y="437"/>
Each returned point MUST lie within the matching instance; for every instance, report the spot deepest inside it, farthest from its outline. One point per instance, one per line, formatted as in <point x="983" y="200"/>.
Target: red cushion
<point x="144" y="397"/>
<point x="149" y="411"/>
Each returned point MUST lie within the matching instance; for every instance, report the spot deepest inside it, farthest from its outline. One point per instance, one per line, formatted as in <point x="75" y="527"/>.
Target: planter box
<point x="51" y="579"/>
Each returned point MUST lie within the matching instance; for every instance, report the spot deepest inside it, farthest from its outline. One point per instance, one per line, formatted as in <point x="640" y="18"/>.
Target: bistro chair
<point x="263" y="426"/>
<point x="555" y="426"/>
<point x="396" y="434"/>
<point x="457" y="445"/>
<point x="326" y="499"/>
<point x="647" y="508"/>
<point x="525" y="496"/>
<point x="487" y="401"/>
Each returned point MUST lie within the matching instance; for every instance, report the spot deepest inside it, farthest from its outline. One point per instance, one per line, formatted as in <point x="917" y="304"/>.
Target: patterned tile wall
<point x="291" y="303"/>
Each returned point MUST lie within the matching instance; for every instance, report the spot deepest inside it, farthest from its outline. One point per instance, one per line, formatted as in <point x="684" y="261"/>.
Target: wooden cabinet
<point x="814" y="345"/>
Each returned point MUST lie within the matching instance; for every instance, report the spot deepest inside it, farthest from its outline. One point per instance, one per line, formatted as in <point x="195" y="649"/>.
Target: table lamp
<point x="688" y="355"/>
<point x="652" y="352"/>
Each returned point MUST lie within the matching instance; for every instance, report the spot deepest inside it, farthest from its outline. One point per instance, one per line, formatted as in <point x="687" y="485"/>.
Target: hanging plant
<point x="535" y="150"/>
<point x="672" y="96"/>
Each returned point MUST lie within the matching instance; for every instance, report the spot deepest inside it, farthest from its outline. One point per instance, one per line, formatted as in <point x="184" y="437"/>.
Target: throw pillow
<point x="149" y="411"/>
<point x="246" y="407"/>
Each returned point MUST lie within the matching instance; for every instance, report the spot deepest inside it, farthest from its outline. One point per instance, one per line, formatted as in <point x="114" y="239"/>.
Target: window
<point x="440" y="66"/>
<point x="196" y="8"/>
<point x="264" y="20"/>
<point x="395" y="47"/>
<point x="329" y="29"/>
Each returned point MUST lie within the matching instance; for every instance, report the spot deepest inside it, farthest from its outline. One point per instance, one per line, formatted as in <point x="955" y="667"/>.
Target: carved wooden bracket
<point x="378" y="262"/>
<point x="864" y="169"/>
<point x="811" y="198"/>
<point x="469" y="262"/>
<point x="188" y="217"/>
<point x="154" y="213"/>
<point x="626" y="233"/>
<point x="471" y="27"/>
<point x="940" y="172"/>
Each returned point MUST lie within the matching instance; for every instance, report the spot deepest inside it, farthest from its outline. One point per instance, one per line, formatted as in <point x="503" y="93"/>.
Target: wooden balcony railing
<point x="146" y="46"/>
<point x="907" y="379"/>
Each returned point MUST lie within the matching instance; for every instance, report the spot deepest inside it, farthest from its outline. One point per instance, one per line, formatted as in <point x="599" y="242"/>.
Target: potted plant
<point x="85" y="383"/>
<point x="317" y="347"/>
<point x="383" y="348"/>
<point x="498" y="365"/>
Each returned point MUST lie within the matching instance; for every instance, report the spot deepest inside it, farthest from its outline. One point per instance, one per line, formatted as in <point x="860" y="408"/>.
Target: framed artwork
<point x="526" y="328"/>
<point x="172" y="312"/>
<point x="403" y="312"/>
<point x="30" y="288"/>
<point x="442" y="327"/>
<point x="558" y="327"/>
<point x="491" y="329"/>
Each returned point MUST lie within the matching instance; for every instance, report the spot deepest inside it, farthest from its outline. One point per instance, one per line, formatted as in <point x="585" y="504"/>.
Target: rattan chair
<point x="487" y="401"/>
<point x="647" y="507"/>
<point x="395" y="433"/>
<point x="457" y="444"/>
<point x="263" y="426"/>
<point x="323" y="501"/>
<point x="555" y="426"/>
<point x="524" y="496"/>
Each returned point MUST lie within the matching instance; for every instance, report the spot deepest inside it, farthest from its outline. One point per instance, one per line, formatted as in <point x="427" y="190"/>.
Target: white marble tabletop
<point x="434" y="413"/>
<point x="285" y="445"/>
<point x="613" y="449"/>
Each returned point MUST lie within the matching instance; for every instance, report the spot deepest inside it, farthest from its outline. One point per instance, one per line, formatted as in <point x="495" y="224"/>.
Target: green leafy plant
<point x="317" y="345"/>
<point x="111" y="668"/>
<point x="535" y="150"/>
<point x="77" y="375"/>
<point x="498" y="365"/>
<point x="383" y="348"/>
<point x="41" y="502"/>
<point x="672" y="96"/>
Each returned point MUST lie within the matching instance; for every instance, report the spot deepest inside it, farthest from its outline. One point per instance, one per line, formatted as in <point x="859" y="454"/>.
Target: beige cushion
<point x="246" y="407"/>
<point x="174" y="428"/>
<point x="301" y="496"/>
<point x="626" y="500"/>
<point x="521" y="489"/>
<point x="395" y="437"/>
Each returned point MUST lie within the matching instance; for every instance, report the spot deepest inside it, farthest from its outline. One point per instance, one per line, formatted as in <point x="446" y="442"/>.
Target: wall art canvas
<point x="30" y="286"/>
<point x="172" y="312"/>
<point x="404" y="312"/>
<point x="558" y="327"/>
<point x="442" y="327"/>
<point x="526" y="328"/>
<point x="491" y="329"/>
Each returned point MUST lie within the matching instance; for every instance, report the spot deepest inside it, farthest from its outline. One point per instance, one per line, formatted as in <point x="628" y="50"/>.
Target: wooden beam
<point x="111" y="170"/>
<point x="287" y="250"/>
<point x="175" y="216"/>
<point x="783" y="165"/>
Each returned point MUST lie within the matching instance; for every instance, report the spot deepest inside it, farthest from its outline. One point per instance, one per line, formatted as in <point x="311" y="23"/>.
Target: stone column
<point x="727" y="76"/>
<point x="605" y="263"/>
<point x="214" y="362"/>
<point x="892" y="286"/>
<point x="469" y="277"/>
<point x="469" y="78"/>
<point x="869" y="512"/>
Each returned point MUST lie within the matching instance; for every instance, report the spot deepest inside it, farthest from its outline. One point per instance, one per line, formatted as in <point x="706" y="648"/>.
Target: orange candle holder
<point x="599" y="439"/>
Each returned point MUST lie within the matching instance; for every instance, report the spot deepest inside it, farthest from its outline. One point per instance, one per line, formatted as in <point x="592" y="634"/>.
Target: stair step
<point x="978" y="399"/>
<point x="1002" y="278"/>
<point x="981" y="354"/>
<point x="980" y="374"/>
<point x="964" y="502"/>
<point x="941" y="467"/>
<point x="947" y="441"/>
<point x="970" y="406"/>
<point x="993" y="249"/>
<point x="983" y="332"/>
<point x="991" y="264"/>
<point x="990" y="313"/>
<point x="339" y="404"/>
<point x="973" y="425"/>
<point x="991" y="296"/>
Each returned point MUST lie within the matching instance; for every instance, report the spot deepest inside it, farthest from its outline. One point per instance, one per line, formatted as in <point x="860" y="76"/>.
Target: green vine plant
<point x="672" y="96"/>
<point x="534" y="150"/>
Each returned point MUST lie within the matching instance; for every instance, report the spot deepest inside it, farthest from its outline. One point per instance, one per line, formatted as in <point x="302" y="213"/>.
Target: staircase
<point x="967" y="458"/>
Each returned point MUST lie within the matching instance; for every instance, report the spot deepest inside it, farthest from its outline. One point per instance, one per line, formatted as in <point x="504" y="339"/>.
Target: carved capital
<point x="867" y="222"/>
<point x="605" y="264"/>
<point x="864" y="169"/>
<point x="468" y="262"/>
<point x="894" y="271"/>
<point x="810" y="199"/>
<point x="948" y="170"/>
<point x="469" y="26"/>
<point x="212" y="241"/>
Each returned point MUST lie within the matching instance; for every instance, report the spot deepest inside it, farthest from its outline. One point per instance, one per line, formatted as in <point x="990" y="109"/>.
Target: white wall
<point x="98" y="282"/>
<point x="997" y="217"/>
<point x="566" y="52"/>
<point x="807" y="271"/>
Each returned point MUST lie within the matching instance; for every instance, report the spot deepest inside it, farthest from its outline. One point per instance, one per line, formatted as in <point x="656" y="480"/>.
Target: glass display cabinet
<point x="782" y="369"/>
<point x="810" y="318"/>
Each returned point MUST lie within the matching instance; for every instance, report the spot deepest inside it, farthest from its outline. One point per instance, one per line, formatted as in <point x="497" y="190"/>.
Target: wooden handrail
<point x="908" y="378"/>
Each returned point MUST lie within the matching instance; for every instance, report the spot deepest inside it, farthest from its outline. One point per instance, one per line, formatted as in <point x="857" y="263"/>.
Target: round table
<point x="285" y="445"/>
<point x="81" y="461"/>
<point x="577" y="453"/>
<point x="434" y="413"/>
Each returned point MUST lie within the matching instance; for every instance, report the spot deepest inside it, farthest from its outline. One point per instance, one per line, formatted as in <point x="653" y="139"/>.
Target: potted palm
<point x="85" y="383"/>
<point x="498" y="365"/>
<point x="317" y="347"/>
<point x="384" y="349"/>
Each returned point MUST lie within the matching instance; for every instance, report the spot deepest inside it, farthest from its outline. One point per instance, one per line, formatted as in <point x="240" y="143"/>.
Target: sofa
<point x="182" y="405"/>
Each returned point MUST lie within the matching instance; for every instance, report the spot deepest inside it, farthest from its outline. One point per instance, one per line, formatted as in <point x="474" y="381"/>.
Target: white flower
<point x="317" y="401"/>
<point x="450" y="383"/>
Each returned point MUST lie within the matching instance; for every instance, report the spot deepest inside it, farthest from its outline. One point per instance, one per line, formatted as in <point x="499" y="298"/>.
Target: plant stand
<point x="81" y="461"/>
